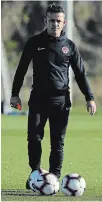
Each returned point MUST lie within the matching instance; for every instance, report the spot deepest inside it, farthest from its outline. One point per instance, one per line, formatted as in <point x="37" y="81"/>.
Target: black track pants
<point x="56" y="110"/>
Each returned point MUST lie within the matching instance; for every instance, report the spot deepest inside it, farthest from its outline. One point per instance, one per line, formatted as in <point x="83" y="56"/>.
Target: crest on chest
<point x="65" y="49"/>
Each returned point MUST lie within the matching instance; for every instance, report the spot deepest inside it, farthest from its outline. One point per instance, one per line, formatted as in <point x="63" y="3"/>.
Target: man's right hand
<point x="15" y="102"/>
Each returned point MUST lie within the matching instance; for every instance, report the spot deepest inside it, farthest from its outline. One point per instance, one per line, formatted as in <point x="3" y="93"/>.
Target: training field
<point x="83" y="154"/>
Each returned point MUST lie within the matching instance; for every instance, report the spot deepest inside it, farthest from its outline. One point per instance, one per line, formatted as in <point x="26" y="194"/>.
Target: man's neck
<point x="54" y="36"/>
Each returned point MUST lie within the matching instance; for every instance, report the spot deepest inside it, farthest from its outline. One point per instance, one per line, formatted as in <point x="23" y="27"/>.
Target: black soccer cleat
<point x="27" y="185"/>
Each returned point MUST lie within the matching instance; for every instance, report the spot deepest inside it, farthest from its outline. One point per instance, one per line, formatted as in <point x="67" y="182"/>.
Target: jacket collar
<point x="60" y="38"/>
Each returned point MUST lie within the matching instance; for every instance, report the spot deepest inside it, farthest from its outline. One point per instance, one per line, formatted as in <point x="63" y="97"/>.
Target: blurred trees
<point x="88" y="23"/>
<point x="20" y="20"/>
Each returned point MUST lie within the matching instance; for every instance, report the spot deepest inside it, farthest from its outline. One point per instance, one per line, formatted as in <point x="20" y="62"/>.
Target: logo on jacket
<point x="65" y="50"/>
<point x="39" y="48"/>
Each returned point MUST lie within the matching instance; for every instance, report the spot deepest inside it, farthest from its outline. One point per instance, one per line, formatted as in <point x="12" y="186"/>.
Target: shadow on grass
<point x="18" y="192"/>
<point x="27" y="195"/>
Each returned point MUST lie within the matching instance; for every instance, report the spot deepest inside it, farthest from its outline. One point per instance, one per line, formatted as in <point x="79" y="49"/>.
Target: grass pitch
<point x="82" y="154"/>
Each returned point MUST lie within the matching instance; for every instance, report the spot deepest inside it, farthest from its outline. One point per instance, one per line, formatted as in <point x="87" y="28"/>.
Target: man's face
<point x="55" y="23"/>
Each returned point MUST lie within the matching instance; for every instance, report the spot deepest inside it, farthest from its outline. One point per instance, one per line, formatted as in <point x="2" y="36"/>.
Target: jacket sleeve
<point x="80" y="74"/>
<point x="22" y="68"/>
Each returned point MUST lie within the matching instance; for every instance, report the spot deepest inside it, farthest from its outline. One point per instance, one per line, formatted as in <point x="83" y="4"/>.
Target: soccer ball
<point x="73" y="185"/>
<point x="45" y="184"/>
<point x="33" y="176"/>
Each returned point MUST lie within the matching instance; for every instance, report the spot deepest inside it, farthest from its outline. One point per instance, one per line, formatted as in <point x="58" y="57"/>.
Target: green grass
<point x="83" y="154"/>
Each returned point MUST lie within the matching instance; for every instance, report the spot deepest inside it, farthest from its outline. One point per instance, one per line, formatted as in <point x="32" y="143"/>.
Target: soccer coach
<point x="52" y="53"/>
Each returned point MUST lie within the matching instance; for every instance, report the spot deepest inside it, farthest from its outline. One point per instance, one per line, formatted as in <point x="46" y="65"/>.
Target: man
<point x="52" y="53"/>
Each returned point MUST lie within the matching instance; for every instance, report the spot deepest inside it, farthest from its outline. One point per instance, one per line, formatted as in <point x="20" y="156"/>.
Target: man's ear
<point x="65" y="22"/>
<point x="45" y="20"/>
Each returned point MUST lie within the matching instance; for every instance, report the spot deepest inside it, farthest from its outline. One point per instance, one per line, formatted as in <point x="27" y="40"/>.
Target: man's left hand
<point x="91" y="107"/>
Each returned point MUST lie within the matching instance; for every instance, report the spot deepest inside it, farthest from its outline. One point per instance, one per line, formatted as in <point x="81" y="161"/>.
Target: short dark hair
<point x="54" y="8"/>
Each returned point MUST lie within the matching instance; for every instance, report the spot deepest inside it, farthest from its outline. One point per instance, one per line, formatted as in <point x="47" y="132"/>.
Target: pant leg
<point x="37" y="118"/>
<point x="58" y="120"/>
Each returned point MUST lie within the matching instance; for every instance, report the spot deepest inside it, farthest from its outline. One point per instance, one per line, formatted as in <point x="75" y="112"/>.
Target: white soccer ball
<point x="73" y="185"/>
<point x="32" y="178"/>
<point x="45" y="184"/>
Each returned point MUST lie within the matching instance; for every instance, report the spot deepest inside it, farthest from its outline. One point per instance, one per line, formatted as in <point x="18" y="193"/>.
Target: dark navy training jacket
<point x="51" y="59"/>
